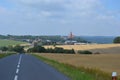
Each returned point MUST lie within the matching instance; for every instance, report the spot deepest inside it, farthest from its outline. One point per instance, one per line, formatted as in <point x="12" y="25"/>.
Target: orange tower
<point x="71" y="36"/>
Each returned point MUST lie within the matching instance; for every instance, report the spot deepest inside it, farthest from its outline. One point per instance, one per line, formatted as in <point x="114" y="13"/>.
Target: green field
<point x="9" y="42"/>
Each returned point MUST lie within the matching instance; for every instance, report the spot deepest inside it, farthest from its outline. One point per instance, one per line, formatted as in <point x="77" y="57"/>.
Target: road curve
<point x="27" y="67"/>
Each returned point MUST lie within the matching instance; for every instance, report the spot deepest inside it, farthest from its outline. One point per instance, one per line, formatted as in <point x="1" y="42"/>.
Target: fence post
<point x="114" y="75"/>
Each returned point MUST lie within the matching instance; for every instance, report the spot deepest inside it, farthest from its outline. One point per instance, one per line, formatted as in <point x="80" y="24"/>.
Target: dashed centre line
<point x="18" y="68"/>
<point x="16" y="77"/>
<point x="17" y="71"/>
<point x="20" y="60"/>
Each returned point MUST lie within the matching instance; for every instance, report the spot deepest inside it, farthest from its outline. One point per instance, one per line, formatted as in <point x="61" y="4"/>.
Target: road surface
<point x="27" y="67"/>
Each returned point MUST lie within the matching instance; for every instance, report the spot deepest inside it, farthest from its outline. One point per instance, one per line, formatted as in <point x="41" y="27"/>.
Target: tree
<point x="10" y="48"/>
<point x="59" y="50"/>
<point x="37" y="49"/>
<point x="3" y="48"/>
<point x="19" y="49"/>
<point x="116" y="40"/>
<point x="40" y="49"/>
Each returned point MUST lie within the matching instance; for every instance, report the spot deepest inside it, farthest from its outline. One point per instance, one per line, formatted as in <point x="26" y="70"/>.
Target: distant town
<point x="70" y="39"/>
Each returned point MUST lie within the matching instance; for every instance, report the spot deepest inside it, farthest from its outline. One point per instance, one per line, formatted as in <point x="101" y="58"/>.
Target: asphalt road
<point x="27" y="67"/>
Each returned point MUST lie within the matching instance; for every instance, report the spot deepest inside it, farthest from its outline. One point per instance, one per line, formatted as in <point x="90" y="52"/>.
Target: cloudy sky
<point x="59" y="17"/>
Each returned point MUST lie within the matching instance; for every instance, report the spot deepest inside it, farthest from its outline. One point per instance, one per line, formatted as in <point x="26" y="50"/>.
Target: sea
<point x="99" y="39"/>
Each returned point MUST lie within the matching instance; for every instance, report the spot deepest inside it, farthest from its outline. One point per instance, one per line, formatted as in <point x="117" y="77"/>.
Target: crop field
<point x="9" y="42"/>
<point x="105" y="62"/>
<point x="86" y="47"/>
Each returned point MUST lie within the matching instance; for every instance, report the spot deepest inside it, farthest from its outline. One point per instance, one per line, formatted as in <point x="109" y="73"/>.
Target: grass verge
<point x="76" y="73"/>
<point x="5" y="54"/>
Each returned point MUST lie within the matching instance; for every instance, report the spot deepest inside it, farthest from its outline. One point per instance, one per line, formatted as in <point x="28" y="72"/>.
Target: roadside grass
<point x="9" y="42"/>
<point x="2" y="55"/>
<point x="76" y="73"/>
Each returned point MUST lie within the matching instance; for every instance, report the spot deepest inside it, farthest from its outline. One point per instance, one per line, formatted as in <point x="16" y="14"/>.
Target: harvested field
<point x="104" y="62"/>
<point x="86" y="47"/>
<point x="115" y="50"/>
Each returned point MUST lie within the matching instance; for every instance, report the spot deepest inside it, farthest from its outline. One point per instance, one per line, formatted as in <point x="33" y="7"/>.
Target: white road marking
<point x="20" y="59"/>
<point x="16" y="77"/>
<point x="17" y="71"/>
<point x="18" y="66"/>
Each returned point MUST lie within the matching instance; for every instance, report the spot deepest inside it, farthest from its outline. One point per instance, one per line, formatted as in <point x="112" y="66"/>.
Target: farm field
<point x="105" y="62"/>
<point x="9" y="42"/>
<point x="86" y="47"/>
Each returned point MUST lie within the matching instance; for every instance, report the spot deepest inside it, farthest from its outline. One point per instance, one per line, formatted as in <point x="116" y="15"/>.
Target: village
<point x="66" y="40"/>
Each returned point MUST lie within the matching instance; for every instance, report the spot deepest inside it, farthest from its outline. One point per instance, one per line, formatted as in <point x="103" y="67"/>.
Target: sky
<point x="60" y="17"/>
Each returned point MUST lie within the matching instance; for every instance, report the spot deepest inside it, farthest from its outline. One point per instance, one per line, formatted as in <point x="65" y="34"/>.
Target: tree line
<point x="17" y="48"/>
<point x="40" y="49"/>
<point x="37" y="49"/>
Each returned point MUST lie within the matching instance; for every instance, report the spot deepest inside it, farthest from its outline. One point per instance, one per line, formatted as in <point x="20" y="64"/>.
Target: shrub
<point x="3" y="48"/>
<point x="116" y="40"/>
<point x="10" y="48"/>
<point x="38" y="49"/>
<point x="59" y="50"/>
<point x="69" y="51"/>
<point x="50" y="50"/>
<point x="85" y="52"/>
<point x="19" y="49"/>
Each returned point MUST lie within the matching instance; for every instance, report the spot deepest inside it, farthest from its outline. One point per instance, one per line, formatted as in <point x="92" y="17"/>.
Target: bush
<point x="10" y="48"/>
<point x="19" y="49"/>
<point x="69" y="51"/>
<point x="116" y="40"/>
<point x="38" y="49"/>
<point x="3" y="48"/>
<point x="59" y="50"/>
<point x="85" y="52"/>
<point x="50" y="50"/>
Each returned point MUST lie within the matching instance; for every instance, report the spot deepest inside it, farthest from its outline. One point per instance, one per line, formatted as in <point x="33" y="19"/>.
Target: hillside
<point x="4" y="42"/>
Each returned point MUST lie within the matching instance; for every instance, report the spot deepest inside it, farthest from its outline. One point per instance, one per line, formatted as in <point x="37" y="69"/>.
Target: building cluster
<point x="68" y="40"/>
